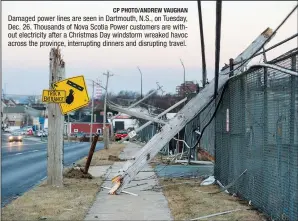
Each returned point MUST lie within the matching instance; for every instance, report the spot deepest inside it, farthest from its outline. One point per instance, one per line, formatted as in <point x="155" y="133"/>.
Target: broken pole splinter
<point x="185" y="115"/>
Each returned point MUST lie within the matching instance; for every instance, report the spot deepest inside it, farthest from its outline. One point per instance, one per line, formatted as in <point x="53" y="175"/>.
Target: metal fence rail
<point x="257" y="129"/>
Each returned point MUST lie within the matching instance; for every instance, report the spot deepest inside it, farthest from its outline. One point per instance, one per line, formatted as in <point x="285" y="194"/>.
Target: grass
<point x="70" y="202"/>
<point x="187" y="201"/>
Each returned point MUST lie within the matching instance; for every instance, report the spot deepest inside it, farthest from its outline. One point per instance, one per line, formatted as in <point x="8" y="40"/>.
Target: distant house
<point x="3" y="125"/>
<point x="41" y="107"/>
<point x="9" y="102"/>
<point x="124" y="122"/>
<point x="14" y="116"/>
<point x="19" y="115"/>
<point x="84" y="125"/>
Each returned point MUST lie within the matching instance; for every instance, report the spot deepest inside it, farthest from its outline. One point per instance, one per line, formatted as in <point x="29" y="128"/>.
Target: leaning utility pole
<point x="92" y="112"/>
<point x="105" y="131"/>
<point x="56" y="124"/>
<point x="184" y="116"/>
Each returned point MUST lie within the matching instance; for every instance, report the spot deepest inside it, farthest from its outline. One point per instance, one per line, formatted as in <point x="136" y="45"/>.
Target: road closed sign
<point x="53" y="96"/>
<point x="76" y="93"/>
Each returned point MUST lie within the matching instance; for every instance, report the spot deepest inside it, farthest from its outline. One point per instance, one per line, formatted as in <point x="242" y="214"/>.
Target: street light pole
<point x="184" y="87"/>
<point x="141" y="82"/>
<point x="92" y="111"/>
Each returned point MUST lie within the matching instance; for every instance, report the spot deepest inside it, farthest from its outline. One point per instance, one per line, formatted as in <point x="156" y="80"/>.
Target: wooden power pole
<point x="56" y="124"/>
<point x="105" y="130"/>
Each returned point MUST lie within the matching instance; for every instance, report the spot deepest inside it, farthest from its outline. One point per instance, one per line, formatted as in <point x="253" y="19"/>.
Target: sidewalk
<point x="148" y="205"/>
<point x="32" y="138"/>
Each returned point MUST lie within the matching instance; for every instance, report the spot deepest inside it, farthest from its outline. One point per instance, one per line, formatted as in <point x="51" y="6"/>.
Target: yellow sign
<point x="76" y="93"/>
<point x="53" y="96"/>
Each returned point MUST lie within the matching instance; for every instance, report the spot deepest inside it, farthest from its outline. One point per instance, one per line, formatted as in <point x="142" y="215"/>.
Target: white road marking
<point x="18" y="153"/>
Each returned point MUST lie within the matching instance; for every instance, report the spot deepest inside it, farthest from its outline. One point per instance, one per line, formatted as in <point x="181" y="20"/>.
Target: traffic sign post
<point x="56" y="123"/>
<point x="65" y="95"/>
<point x="76" y="93"/>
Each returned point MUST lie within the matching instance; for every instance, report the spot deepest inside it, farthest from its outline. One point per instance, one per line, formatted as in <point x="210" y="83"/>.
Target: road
<point x="25" y="164"/>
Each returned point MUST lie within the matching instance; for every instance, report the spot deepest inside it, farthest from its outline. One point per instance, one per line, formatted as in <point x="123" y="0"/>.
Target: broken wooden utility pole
<point x="134" y="132"/>
<point x="131" y="106"/>
<point x="91" y="151"/>
<point x="136" y="114"/>
<point x="140" y="101"/>
<point x="105" y="130"/>
<point x="185" y="115"/>
<point x="56" y="124"/>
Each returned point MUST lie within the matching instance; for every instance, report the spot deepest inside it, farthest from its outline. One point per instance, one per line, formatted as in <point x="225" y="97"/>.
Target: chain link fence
<point x="147" y="133"/>
<point x="256" y="131"/>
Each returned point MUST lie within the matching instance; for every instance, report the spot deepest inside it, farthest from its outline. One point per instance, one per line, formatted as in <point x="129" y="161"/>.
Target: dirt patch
<point x="159" y="159"/>
<point x="115" y="158"/>
<point x="102" y="157"/>
<point x="76" y="173"/>
<point x="190" y="200"/>
<point x="70" y="202"/>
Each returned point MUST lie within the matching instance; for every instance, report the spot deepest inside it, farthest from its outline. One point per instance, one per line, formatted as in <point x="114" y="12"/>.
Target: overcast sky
<point x="26" y="70"/>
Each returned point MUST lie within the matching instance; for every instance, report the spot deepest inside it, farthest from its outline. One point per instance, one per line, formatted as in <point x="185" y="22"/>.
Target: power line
<point x="266" y="41"/>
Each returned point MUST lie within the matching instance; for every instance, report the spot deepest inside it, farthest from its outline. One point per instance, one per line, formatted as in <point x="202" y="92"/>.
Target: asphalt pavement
<point x="24" y="164"/>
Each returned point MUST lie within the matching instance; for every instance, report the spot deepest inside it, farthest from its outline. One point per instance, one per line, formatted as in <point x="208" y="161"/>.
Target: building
<point x="84" y="125"/>
<point x="3" y="125"/>
<point x="9" y="102"/>
<point x="41" y="107"/>
<point x="19" y="115"/>
<point x="124" y="122"/>
<point x="190" y="87"/>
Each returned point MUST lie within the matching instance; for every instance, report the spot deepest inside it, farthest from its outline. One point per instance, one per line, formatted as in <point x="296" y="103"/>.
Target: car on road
<point x="120" y="134"/>
<point x="41" y="133"/>
<point x="15" y="136"/>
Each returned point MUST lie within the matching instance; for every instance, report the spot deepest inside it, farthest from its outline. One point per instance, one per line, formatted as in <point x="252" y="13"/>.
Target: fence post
<point x="291" y="151"/>
<point x="200" y="143"/>
<point x="292" y="107"/>
<point x="265" y="134"/>
<point x="231" y="67"/>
